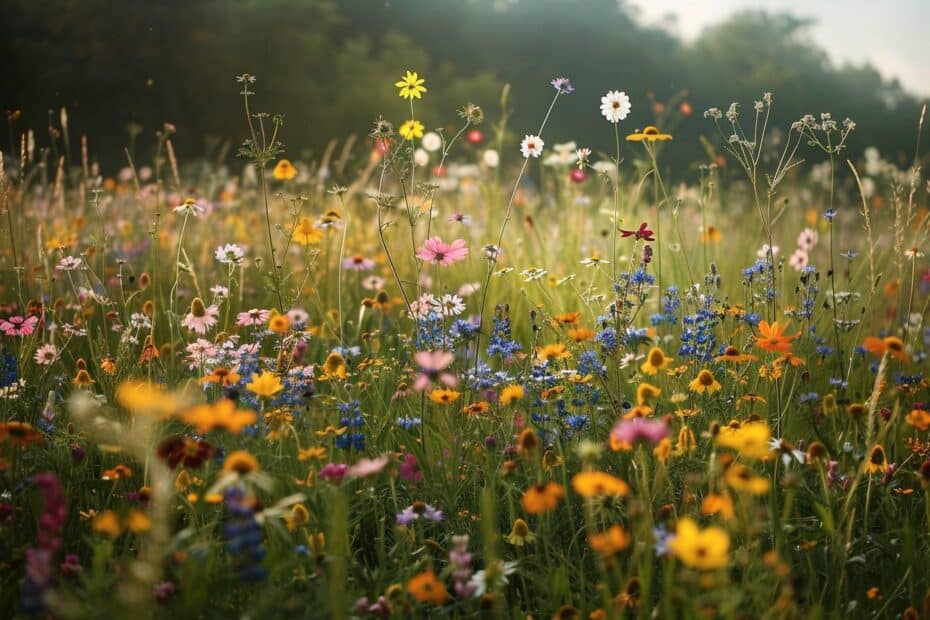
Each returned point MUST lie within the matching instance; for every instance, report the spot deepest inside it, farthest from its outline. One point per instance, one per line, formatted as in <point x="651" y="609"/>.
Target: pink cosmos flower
<point x="46" y="354"/>
<point x="630" y="431"/>
<point x="18" y="325"/>
<point x="436" y="251"/>
<point x="368" y="467"/>
<point x="432" y="363"/>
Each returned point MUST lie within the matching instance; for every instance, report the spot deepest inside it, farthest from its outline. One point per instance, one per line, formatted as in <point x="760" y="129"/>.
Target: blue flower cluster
<point x="352" y="419"/>
<point x="244" y="536"/>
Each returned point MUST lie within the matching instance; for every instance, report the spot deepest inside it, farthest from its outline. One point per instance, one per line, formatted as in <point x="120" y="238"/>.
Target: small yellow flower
<point x="411" y="86"/>
<point x="240" y="462"/>
<point x="751" y="440"/>
<point x="655" y="361"/>
<point x="444" y="396"/>
<point x="107" y="523"/>
<point x="284" y="170"/>
<point x="701" y="549"/>
<point x="266" y="384"/>
<point x="520" y="534"/>
<point x="279" y="323"/>
<point x="411" y="129"/>
<point x="510" y="394"/>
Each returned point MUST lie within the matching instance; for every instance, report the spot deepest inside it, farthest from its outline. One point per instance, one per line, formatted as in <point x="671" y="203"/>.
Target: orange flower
<point x="20" y="434"/>
<point x="120" y="471"/>
<point x="610" y="542"/>
<point x="773" y="338"/>
<point x="598" y="483"/>
<point x="919" y="419"/>
<point x="541" y="498"/>
<point x="426" y="588"/>
<point x="716" y="503"/>
<point x="284" y="170"/>
<point x="223" y="415"/>
<point x="892" y="345"/>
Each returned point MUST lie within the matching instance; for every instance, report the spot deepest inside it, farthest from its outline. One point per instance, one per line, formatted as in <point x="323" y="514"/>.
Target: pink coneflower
<point x="630" y="431"/>
<point x="46" y="354"/>
<point x="409" y="470"/>
<point x="460" y="218"/>
<point x="69" y="263"/>
<point x="252" y="318"/>
<point x="432" y="364"/>
<point x="436" y="251"/>
<point x="358" y="263"/>
<point x="18" y="325"/>
<point x="201" y="317"/>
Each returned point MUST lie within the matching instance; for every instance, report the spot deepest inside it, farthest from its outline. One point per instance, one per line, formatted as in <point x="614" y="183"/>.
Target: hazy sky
<point x="891" y="34"/>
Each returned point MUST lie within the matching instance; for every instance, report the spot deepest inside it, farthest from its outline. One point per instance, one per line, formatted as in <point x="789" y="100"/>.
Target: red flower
<point x="643" y="233"/>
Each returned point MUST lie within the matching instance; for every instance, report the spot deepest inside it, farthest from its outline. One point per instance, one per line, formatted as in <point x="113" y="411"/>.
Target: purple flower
<point x="630" y="431"/>
<point x="410" y="469"/>
<point x="563" y="85"/>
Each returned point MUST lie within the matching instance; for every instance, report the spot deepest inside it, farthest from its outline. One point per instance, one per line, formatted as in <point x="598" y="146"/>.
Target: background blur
<point x="330" y="65"/>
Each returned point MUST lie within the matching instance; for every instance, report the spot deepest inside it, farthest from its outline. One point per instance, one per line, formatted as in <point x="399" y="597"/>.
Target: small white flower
<point x="229" y="254"/>
<point x="490" y="158"/>
<point x="615" y="106"/>
<point x="431" y="141"/>
<point x="420" y="157"/>
<point x="531" y="146"/>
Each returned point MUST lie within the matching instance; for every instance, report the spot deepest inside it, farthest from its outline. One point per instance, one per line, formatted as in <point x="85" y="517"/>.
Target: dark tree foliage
<point x="330" y="66"/>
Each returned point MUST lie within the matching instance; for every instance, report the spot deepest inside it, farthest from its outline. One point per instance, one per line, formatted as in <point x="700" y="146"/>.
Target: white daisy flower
<point x="615" y="106"/>
<point x="531" y="146"/>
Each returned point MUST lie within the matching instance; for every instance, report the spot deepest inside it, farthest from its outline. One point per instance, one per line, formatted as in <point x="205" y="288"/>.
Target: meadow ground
<point x="465" y="374"/>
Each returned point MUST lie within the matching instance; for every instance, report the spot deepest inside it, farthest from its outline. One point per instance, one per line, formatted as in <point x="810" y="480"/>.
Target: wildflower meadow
<point x="466" y="371"/>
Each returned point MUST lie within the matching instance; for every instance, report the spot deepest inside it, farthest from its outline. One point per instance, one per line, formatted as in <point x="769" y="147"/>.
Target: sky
<point x="890" y="34"/>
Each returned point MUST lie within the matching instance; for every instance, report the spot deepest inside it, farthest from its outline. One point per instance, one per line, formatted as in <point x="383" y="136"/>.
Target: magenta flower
<point x="432" y="363"/>
<point x="410" y="469"/>
<point x="334" y="472"/>
<point x="630" y="431"/>
<point x="18" y="325"/>
<point x="438" y="252"/>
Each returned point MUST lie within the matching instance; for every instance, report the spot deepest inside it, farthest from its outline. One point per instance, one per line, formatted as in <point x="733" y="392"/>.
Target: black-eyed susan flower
<point x="411" y="86"/>
<point x="645" y="392"/>
<point x="241" y="463"/>
<point x="741" y="479"/>
<point x="656" y="360"/>
<point x="510" y="394"/>
<point x="877" y="462"/>
<point x="444" y="396"/>
<point x="751" y="439"/>
<point x="649" y="134"/>
<point x="734" y="356"/>
<point x="704" y="383"/>
<point x="520" y="533"/>
<point x="892" y="345"/>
